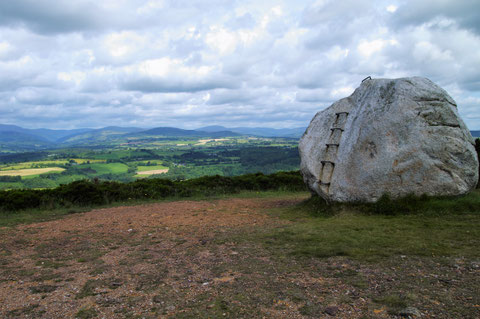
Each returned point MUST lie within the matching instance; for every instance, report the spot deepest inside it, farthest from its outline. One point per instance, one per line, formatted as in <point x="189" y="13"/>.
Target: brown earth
<point x="188" y="259"/>
<point x="155" y="171"/>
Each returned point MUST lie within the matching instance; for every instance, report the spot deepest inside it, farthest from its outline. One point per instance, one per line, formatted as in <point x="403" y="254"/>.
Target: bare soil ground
<point x="155" y="171"/>
<point x="203" y="259"/>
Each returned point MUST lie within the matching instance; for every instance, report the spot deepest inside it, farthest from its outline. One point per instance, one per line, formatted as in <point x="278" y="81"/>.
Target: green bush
<point x="10" y="179"/>
<point x="92" y="193"/>
<point x="20" y="199"/>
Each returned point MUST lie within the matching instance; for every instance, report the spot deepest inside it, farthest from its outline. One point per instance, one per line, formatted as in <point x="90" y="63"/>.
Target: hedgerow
<point x="94" y="192"/>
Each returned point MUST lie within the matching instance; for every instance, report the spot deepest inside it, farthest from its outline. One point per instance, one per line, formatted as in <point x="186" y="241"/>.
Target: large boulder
<point x="401" y="136"/>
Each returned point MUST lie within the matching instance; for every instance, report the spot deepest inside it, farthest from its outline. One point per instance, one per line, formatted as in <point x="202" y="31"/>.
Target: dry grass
<point x="155" y="171"/>
<point x="31" y="171"/>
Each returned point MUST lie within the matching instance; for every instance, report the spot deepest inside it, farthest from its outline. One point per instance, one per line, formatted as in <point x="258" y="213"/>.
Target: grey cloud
<point x="51" y="16"/>
<point x="165" y="85"/>
<point x="464" y="12"/>
<point x="85" y="64"/>
<point x="336" y="12"/>
<point x="313" y="96"/>
<point x="238" y="96"/>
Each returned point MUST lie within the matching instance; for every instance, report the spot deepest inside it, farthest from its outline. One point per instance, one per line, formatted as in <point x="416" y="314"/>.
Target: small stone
<point x="410" y="312"/>
<point x="331" y="310"/>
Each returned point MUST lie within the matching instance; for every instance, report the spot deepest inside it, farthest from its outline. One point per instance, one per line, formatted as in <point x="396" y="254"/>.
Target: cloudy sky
<point x="189" y="63"/>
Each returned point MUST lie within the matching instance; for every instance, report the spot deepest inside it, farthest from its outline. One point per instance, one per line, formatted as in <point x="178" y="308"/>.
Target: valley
<point x="149" y="156"/>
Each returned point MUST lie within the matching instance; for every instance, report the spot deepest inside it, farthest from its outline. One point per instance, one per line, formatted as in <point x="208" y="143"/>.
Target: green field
<point x="110" y="168"/>
<point x="183" y="158"/>
<point x="43" y="164"/>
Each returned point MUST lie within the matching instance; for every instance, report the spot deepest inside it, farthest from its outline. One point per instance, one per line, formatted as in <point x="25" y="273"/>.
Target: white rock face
<point x="397" y="136"/>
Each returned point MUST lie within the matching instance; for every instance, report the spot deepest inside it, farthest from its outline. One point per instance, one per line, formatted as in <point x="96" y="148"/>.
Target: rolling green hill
<point x="22" y="141"/>
<point x="176" y="132"/>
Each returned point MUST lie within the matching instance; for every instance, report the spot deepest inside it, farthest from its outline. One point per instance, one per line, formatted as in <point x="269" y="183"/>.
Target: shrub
<point x="19" y="199"/>
<point x="10" y="179"/>
<point x="88" y="193"/>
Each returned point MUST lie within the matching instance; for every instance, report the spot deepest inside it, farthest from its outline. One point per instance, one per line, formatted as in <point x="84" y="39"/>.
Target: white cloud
<point x="221" y="40"/>
<point x="367" y="48"/>
<point x="392" y="8"/>
<point x="191" y="63"/>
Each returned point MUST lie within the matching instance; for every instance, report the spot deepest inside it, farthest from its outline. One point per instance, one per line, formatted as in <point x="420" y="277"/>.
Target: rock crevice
<point x="398" y="136"/>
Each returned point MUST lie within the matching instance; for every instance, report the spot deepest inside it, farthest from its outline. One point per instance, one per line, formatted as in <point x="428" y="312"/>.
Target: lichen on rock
<point x="396" y="136"/>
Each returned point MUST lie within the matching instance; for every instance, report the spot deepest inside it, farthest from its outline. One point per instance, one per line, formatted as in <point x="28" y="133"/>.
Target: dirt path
<point x="200" y="259"/>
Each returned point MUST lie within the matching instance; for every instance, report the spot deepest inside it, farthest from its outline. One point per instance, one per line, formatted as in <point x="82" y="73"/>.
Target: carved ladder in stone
<point x="328" y="164"/>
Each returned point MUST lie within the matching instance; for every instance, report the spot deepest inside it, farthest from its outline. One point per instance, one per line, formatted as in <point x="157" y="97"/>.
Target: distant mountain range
<point x="42" y="133"/>
<point x="258" y="131"/>
<point x="176" y="132"/>
<point x="14" y="137"/>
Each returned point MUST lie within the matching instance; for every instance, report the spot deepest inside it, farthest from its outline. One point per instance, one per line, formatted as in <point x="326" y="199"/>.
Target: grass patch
<point x="37" y="215"/>
<point x="30" y="311"/>
<point x="439" y="227"/>
<point x="394" y="302"/>
<point x="88" y="289"/>
<point x="91" y="286"/>
<point x="106" y="168"/>
<point x="408" y="205"/>
<point x="49" y="264"/>
<point x="42" y="289"/>
<point x="86" y="313"/>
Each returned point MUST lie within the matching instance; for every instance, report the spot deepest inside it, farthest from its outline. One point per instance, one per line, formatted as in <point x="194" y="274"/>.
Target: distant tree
<point x="10" y="179"/>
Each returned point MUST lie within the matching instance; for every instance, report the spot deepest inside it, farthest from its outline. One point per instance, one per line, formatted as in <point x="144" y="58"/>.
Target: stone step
<point x="332" y="144"/>
<point x="337" y="128"/>
<point x="327" y="162"/>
